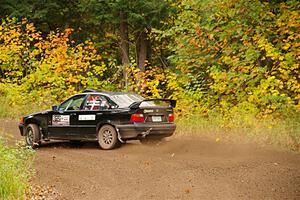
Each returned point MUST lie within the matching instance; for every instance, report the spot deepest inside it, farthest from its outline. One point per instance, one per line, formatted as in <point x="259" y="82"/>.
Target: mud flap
<point x="119" y="136"/>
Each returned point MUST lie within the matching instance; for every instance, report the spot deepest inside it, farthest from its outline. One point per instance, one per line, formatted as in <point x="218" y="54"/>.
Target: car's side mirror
<point x="54" y="108"/>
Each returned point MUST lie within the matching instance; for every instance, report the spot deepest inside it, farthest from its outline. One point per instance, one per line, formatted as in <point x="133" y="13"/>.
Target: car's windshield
<point x="125" y="100"/>
<point x="73" y="103"/>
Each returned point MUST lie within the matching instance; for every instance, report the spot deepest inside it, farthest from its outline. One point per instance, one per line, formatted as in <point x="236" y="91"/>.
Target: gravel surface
<point x="179" y="168"/>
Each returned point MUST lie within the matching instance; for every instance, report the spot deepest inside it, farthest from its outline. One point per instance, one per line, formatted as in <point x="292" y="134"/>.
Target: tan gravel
<point x="180" y="168"/>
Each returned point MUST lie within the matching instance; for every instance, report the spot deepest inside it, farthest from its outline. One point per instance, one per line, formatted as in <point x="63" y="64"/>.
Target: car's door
<point x="63" y="122"/>
<point x="95" y="109"/>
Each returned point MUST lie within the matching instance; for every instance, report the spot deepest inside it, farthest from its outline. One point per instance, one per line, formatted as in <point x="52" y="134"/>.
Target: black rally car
<point x="109" y="117"/>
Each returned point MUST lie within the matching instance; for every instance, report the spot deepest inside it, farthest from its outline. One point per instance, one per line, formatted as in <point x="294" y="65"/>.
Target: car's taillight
<point x="137" y="118"/>
<point x="171" y="118"/>
<point x="22" y="120"/>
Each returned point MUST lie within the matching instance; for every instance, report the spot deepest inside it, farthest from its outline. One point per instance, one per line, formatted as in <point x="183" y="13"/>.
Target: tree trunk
<point x="142" y="50"/>
<point x="124" y="46"/>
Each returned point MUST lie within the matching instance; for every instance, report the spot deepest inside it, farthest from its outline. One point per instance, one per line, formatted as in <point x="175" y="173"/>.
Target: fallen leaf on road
<point x="187" y="191"/>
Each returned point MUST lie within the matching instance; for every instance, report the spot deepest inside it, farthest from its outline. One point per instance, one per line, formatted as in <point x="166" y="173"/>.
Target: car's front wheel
<point x="32" y="135"/>
<point x="108" y="137"/>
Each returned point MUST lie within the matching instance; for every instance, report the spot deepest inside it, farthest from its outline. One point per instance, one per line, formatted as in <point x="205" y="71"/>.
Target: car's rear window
<point x="125" y="100"/>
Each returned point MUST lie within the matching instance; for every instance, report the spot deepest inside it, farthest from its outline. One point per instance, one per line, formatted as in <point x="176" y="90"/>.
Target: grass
<point x="7" y="110"/>
<point x="15" y="171"/>
<point x="283" y="132"/>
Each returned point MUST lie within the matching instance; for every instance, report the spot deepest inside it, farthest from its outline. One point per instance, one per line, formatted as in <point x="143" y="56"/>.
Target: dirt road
<point x="181" y="168"/>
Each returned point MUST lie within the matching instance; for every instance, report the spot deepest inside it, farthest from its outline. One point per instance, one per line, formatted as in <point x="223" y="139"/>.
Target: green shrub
<point x="15" y="103"/>
<point x="15" y="171"/>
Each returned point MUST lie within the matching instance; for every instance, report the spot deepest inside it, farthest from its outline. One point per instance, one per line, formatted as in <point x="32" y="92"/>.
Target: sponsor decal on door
<point x="61" y="120"/>
<point x="86" y="117"/>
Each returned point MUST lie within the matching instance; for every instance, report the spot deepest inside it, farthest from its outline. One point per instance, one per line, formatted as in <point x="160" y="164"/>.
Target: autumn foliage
<point x="46" y="68"/>
<point x="229" y="54"/>
<point x="241" y="53"/>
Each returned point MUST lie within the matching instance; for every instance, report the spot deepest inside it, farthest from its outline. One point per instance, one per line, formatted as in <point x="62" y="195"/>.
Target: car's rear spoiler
<point x="137" y="104"/>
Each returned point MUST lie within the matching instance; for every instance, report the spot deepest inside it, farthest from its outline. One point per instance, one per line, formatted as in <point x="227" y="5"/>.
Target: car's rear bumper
<point x="136" y="130"/>
<point x="21" y="128"/>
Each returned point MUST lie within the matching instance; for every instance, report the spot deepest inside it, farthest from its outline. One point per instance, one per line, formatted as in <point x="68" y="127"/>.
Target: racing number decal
<point x="61" y="120"/>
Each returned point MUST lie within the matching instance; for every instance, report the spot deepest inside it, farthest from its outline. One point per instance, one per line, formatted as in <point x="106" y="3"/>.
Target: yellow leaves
<point x="211" y="36"/>
<point x="50" y="62"/>
<point x="226" y="59"/>
<point x="30" y="28"/>
<point x="151" y="81"/>
<point x="72" y="79"/>
<point x="271" y="14"/>
<point x="286" y="46"/>
<point x="295" y="66"/>
<point x="271" y="51"/>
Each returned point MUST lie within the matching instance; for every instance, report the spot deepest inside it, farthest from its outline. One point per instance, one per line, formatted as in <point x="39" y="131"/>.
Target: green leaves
<point x="239" y="51"/>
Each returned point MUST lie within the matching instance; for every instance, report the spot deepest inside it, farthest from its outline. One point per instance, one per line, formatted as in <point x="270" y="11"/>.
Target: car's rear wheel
<point x="32" y="135"/>
<point x="108" y="137"/>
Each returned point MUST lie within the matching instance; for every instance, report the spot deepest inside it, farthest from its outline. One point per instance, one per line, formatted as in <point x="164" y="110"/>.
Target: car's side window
<point x="72" y="104"/>
<point x="96" y="102"/>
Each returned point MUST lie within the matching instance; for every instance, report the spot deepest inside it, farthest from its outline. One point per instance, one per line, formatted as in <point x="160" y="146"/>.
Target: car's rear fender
<point x="105" y="122"/>
<point x="111" y="123"/>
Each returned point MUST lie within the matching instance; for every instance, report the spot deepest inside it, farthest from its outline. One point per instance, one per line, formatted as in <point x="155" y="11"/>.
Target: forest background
<point x="232" y="65"/>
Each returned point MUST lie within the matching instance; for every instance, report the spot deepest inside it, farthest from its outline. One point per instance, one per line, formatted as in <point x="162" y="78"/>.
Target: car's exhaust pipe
<point x="144" y="134"/>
